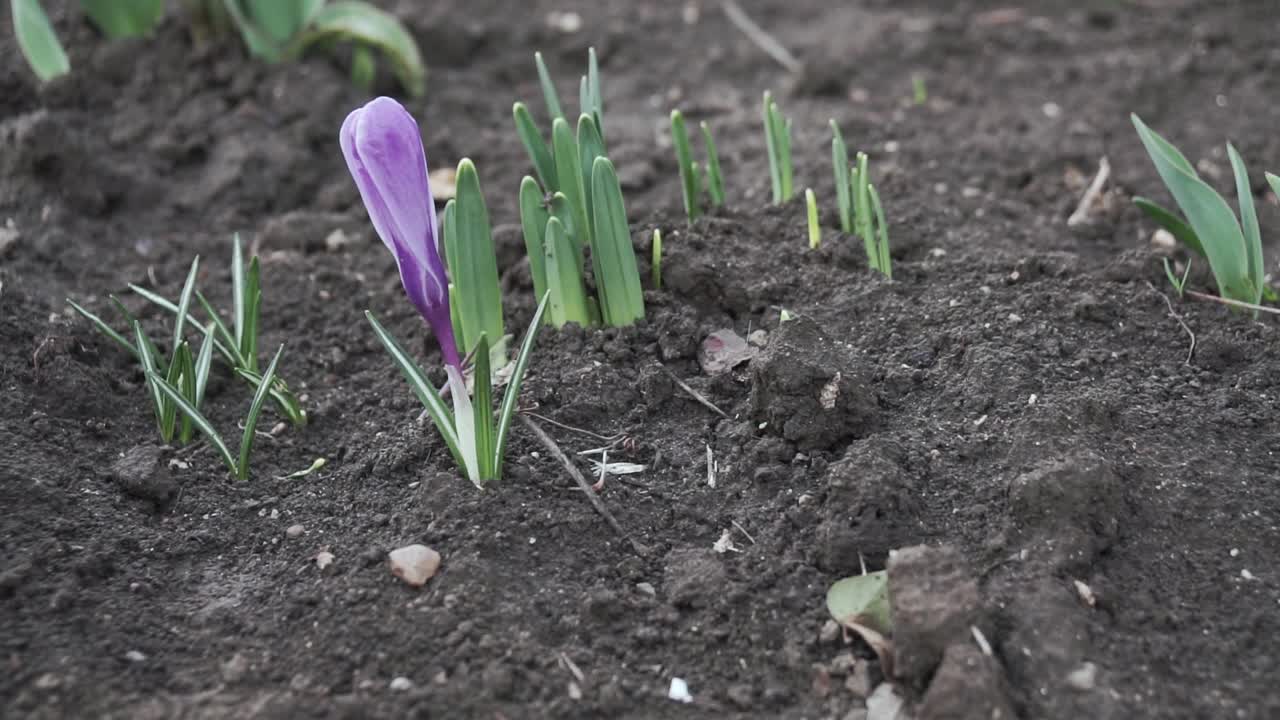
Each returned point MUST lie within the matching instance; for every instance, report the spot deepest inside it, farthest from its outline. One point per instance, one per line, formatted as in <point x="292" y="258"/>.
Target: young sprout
<point x="383" y="149"/>
<point x="859" y="205"/>
<point x="684" y="158"/>
<point x="844" y="185"/>
<point x="919" y="94"/>
<point x="715" y="178"/>
<point x="777" y="134"/>
<point x="1179" y="284"/>
<point x="811" y="208"/>
<point x="655" y="268"/>
<point x="882" y="262"/>
<point x="1232" y="247"/>
<point x="238" y="344"/>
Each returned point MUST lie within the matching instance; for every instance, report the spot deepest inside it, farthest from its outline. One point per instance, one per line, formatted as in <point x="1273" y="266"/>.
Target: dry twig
<point x="762" y="39"/>
<point x="694" y="393"/>
<point x="1191" y="350"/>
<point x="1091" y="194"/>
<point x="583" y="485"/>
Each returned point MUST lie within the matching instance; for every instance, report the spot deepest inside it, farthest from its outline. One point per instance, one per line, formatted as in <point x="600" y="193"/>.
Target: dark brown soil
<point x="1018" y="400"/>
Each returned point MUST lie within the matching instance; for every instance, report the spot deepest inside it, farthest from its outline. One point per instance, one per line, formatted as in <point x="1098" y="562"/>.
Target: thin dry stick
<point x="1229" y="301"/>
<point x="1191" y="350"/>
<point x="743" y="531"/>
<point x="694" y="393"/>
<point x="614" y="439"/>
<point x="578" y="478"/>
<point x="1091" y="194"/>
<point x="762" y="39"/>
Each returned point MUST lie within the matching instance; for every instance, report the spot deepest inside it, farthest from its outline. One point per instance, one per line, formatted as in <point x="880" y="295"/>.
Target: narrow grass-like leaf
<point x="613" y="256"/>
<point x="811" y="212"/>
<point x="569" y="172"/>
<point x="1166" y="219"/>
<point x="1207" y="213"/>
<point x="436" y="408"/>
<point x="684" y="160"/>
<point x="590" y="147"/>
<point x="253" y="303"/>
<point x="655" y="268"/>
<point x="145" y="356"/>
<point x="37" y="40"/>
<point x="202" y="424"/>
<point x="561" y="209"/>
<point x="511" y="397"/>
<point x="255" y="412"/>
<point x="549" y="94"/>
<point x="280" y="392"/>
<point x="771" y="143"/>
<point x="919" y="93"/>
<point x="1178" y="283"/>
<point x="715" y="178"/>
<point x="533" y="225"/>
<point x="863" y="220"/>
<point x="884" y="262"/>
<point x="483" y="403"/>
<point x="593" y="88"/>
<point x="1248" y="224"/>
<point x="203" y="363"/>
<point x="475" y="271"/>
<point x="784" y="153"/>
<point x="539" y="153"/>
<point x="844" y="187"/>
<point x="1274" y="181"/>
<point x="125" y="18"/>
<point x="187" y="384"/>
<point x="104" y="328"/>
<point x="568" y="295"/>
<point x="363" y="24"/>
<point x="156" y="357"/>
<point x="184" y="302"/>
<point x="238" y="295"/>
<point x="180" y="362"/>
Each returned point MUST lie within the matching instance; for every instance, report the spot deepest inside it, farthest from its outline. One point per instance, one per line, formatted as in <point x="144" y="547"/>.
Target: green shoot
<point x="124" y="18"/>
<point x="844" y="185"/>
<point x="881" y="262"/>
<point x="811" y="210"/>
<point x="1232" y="247"/>
<point x="862" y="600"/>
<point x="613" y="256"/>
<point x="549" y="94"/>
<point x="862" y="206"/>
<point x="715" y="179"/>
<point x="919" y="94"/>
<point x="1179" y="284"/>
<point x="480" y="432"/>
<point x="777" y="134"/>
<point x="684" y="158"/>
<point x="533" y="223"/>
<point x="473" y="267"/>
<point x="568" y="296"/>
<point x="655" y="268"/>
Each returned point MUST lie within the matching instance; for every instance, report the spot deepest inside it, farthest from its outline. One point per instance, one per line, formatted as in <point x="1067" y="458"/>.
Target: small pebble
<point x="400" y="684"/>
<point x="1083" y="677"/>
<point x="647" y="589"/>
<point x="134" y="656"/>
<point x="414" y="564"/>
<point x="324" y="559"/>
<point x="294" y="531"/>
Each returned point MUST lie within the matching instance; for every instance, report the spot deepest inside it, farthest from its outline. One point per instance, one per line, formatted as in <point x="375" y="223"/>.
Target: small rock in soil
<point x="294" y="531"/>
<point x="885" y="703"/>
<point x="858" y="682"/>
<point x="1083" y="678"/>
<point x="935" y="601"/>
<point x="694" y="577"/>
<point x="414" y="564"/>
<point x="968" y="685"/>
<point x="324" y="559"/>
<point x="234" y="669"/>
<point x="1069" y="509"/>
<point x="809" y="388"/>
<point x="141" y="473"/>
<point x="741" y="696"/>
<point x="830" y="632"/>
<point x="401" y="684"/>
<point x="306" y="230"/>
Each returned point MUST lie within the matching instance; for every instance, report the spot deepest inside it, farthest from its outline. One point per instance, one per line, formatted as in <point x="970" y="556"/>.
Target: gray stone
<point x="935" y="601"/>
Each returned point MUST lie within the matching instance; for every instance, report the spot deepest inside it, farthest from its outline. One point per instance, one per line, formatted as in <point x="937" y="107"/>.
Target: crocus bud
<point x="383" y="148"/>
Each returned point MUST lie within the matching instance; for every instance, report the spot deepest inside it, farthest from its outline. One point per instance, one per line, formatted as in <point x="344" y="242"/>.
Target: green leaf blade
<point x="364" y="24"/>
<point x="566" y="290"/>
<point x="613" y="256"/>
<point x="511" y="396"/>
<point x="684" y="160"/>
<point x="533" y="224"/>
<point x="202" y="424"/>
<point x="539" y="153"/>
<point x="37" y="40"/>
<point x="483" y="404"/>
<point x="1249" y="224"/>
<point x="125" y="18"/>
<point x="255" y="412"/>
<point x="549" y="94"/>
<point x="475" y="272"/>
<point x="715" y="177"/>
<point x="862" y="599"/>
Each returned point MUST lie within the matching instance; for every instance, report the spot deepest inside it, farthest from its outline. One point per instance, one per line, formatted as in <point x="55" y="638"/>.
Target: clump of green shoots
<point x="177" y="384"/>
<point x="237" y="344"/>
<point x="777" y="135"/>
<point x="690" y="179"/>
<point x="1211" y="230"/>
<point x="578" y="189"/>
<point x="858" y="204"/>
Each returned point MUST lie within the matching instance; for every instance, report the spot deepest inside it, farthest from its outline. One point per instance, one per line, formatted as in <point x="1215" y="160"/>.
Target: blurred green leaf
<point x="364" y="24"/>
<point x="613" y="255"/>
<point x="862" y="599"/>
<point x="124" y="18"/>
<point x="38" y="42"/>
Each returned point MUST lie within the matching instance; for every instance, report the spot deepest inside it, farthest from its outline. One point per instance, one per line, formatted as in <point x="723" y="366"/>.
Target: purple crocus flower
<point x="383" y="148"/>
